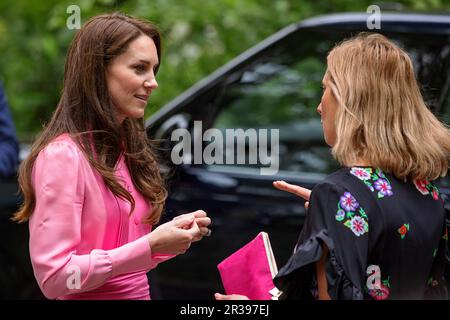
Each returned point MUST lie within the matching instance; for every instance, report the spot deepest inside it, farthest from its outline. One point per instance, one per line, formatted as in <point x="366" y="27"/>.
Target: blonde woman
<point x="375" y="229"/>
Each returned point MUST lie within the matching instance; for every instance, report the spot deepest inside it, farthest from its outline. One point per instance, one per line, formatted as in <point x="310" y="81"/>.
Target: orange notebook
<point x="250" y="270"/>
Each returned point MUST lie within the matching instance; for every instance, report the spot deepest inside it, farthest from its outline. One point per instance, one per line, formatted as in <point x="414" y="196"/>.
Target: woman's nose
<point x="319" y="108"/>
<point x="150" y="84"/>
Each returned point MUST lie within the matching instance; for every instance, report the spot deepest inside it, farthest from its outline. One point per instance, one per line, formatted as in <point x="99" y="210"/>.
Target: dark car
<point x="274" y="85"/>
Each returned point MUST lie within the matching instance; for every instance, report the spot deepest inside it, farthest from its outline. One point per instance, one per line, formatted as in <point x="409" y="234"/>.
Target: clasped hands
<point x="176" y="236"/>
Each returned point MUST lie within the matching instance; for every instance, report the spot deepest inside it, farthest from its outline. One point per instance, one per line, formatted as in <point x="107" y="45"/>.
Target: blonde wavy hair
<point x="382" y="118"/>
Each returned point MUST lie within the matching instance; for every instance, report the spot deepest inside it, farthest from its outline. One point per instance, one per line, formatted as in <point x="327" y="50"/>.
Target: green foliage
<point x="198" y="37"/>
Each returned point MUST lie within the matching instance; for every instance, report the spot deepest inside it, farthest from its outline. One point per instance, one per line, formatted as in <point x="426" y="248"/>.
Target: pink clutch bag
<point x="250" y="270"/>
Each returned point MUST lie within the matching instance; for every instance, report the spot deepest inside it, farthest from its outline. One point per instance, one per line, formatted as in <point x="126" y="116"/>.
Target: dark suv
<point x="274" y="85"/>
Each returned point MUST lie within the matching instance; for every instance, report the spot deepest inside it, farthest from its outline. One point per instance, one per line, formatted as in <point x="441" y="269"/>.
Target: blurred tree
<point x="198" y="37"/>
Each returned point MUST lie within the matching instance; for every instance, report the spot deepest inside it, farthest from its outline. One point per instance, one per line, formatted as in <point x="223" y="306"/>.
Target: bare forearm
<point x="321" y="275"/>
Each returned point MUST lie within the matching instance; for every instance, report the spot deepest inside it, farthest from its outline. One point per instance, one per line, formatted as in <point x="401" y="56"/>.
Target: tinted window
<point x="283" y="89"/>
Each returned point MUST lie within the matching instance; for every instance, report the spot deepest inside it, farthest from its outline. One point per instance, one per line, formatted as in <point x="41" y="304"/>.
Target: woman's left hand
<point x="202" y="221"/>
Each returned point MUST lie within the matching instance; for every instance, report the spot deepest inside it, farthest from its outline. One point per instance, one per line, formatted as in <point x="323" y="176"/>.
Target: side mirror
<point x="162" y="137"/>
<point x="178" y="121"/>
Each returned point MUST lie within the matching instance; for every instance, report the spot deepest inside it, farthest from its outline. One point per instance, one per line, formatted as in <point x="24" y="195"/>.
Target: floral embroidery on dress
<point x="348" y="202"/>
<point x="381" y="293"/>
<point x="445" y="236"/>
<point x="356" y="218"/>
<point x="403" y="230"/>
<point x="384" y="188"/>
<point x="425" y="187"/>
<point x="361" y="173"/>
<point x="374" y="180"/>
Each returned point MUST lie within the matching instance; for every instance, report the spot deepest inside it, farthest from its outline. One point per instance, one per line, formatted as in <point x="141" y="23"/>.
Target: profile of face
<point x="327" y="110"/>
<point x="131" y="78"/>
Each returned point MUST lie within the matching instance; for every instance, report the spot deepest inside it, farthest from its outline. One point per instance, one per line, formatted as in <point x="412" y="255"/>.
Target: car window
<point x="283" y="89"/>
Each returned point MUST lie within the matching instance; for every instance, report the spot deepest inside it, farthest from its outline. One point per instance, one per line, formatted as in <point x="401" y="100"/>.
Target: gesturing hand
<point x="292" y="188"/>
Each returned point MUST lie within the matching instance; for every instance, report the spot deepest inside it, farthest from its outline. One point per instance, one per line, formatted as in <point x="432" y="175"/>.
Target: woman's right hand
<point x="174" y="237"/>
<point x="219" y="296"/>
<point x="292" y="188"/>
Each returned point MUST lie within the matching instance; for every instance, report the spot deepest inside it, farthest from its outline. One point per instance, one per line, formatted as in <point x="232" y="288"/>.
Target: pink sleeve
<point x="55" y="228"/>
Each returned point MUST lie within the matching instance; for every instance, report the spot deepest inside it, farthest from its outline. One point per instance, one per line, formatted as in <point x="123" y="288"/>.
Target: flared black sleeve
<point x="335" y="218"/>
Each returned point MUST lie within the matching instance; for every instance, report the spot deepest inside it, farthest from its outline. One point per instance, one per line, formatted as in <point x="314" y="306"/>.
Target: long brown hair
<point x="382" y="117"/>
<point x="86" y="112"/>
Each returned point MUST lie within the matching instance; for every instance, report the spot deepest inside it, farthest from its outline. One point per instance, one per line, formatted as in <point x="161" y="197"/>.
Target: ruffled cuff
<point x="296" y="277"/>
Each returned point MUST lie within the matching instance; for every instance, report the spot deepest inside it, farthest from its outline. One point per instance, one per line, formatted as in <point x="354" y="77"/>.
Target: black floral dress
<point x="387" y="239"/>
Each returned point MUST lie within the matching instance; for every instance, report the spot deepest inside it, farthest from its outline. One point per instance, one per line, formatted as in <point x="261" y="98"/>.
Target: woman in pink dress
<point x="92" y="186"/>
